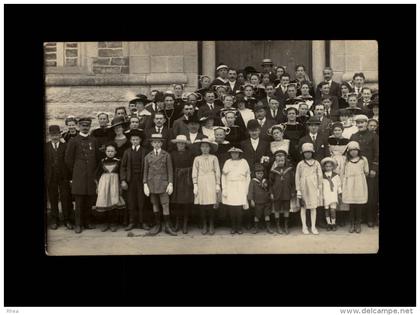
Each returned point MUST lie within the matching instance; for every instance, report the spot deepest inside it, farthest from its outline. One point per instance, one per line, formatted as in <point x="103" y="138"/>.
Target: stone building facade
<point x="87" y="77"/>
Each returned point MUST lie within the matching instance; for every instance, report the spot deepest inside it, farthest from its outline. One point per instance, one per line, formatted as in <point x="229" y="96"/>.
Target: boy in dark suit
<point x="131" y="177"/>
<point x="158" y="182"/>
<point x="82" y="156"/>
<point x="58" y="177"/>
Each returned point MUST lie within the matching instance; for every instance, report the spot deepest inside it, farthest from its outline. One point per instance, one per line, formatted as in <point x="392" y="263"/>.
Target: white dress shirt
<point x="313" y="136"/>
<point x="254" y="143"/>
<point x="136" y="147"/>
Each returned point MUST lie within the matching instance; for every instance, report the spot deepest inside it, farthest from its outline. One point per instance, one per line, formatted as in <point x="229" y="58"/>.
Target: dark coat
<point x="236" y="87"/>
<point x="324" y="127"/>
<point x="125" y="168"/>
<point x="166" y="133"/>
<point x="179" y="128"/>
<point x="280" y="94"/>
<point x="294" y="133"/>
<point x="321" y="145"/>
<point x="102" y="136"/>
<point x="82" y="157"/>
<point x="158" y="171"/>
<point x="183" y="186"/>
<point x="258" y="192"/>
<point x="369" y="147"/>
<point x="204" y="110"/>
<point x="251" y="156"/>
<point x="222" y="153"/>
<point x="334" y="89"/>
<point x="55" y="166"/>
<point x="280" y="117"/>
<point x="282" y="183"/>
<point x="264" y="128"/>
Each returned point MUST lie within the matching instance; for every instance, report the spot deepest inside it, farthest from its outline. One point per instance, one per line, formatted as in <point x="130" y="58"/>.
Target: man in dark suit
<point x="318" y="139"/>
<point x="264" y="122"/>
<point x="324" y="93"/>
<point x="324" y="122"/>
<point x="271" y="93"/>
<point x="157" y="105"/>
<point x="369" y="148"/>
<point x="275" y="111"/>
<point x="159" y="128"/>
<point x="209" y="106"/>
<point x="328" y="78"/>
<point x="82" y="155"/>
<point x="254" y="147"/>
<point x="233" y="85"/>
<point x="180" y="127"/>
<point x="281" y="89"/>
<point x="58" y="177"/>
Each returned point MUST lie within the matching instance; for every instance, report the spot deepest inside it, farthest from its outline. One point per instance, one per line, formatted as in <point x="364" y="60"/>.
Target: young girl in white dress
<point x="355" y="190"/>
<point x="236" y="176"/>
<point x="206" y="180"/>
<point x="309" y="186"/>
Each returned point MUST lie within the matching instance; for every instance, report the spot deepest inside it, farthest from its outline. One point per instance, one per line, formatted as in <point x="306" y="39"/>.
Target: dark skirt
<point x="183" y="186"/>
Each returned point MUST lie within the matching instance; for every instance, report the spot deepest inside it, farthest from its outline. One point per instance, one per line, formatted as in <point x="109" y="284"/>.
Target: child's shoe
<point x="358" y="228"/>
<point x="334" y="227"/>
<point x="105" y="228"/>
<point x="351" y="230"/>
<point x="305" y="230"/>
<point x="268" y="228"/>
<point x="286" y="225"/>
<point x="278" y="230"/>
<point x="329" y="227"/>
<point x="314" y="230"/>
<point x="255" y="228"/>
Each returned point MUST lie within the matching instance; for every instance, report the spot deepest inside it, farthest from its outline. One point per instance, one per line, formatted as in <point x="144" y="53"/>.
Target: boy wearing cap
<point x="158" y="182"/>
<point x="82" y="156"/>
<point x="259" y="198"/>
<point x="57" y="176"/>
<point x="131" y="177"/>
<point x="369" y="148"/>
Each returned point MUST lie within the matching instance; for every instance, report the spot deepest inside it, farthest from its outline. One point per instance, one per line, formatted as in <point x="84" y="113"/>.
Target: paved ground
<point x="91" y="242"/>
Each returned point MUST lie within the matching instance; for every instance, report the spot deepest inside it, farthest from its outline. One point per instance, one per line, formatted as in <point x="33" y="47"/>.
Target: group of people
<point x="255" y="146"/>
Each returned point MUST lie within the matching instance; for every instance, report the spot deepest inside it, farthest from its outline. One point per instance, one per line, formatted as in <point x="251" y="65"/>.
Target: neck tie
<point x="211" y="106"/>
<point x="261" y="122"/>
<point x="55" y="146"/>
<point x="331" y="183"/>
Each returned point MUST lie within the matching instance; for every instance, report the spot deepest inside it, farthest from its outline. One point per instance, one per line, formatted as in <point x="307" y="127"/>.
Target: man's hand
<point x="252" y="203"/>
<point x="146" y="190"/>
<point x="372" y="173"/>
<point x="169" y="189"/>
<point x="124" y="185"/>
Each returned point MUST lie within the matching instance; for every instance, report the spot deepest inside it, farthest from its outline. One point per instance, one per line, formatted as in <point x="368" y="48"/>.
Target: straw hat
<point x="235" y="150"/>
<point x="213" y="145"/>
<point x="181" y="139"/>
<point x="328" y="160"/>
<point x="308" y="147"/>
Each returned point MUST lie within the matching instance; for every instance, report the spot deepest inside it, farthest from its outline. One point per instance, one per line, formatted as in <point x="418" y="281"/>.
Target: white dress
<point x="206" y="174"/>
<point x="330" y="194"/>
<point x="235" y="183"/>
<point x="309" y="183"/>
<point x="355" y="190"/>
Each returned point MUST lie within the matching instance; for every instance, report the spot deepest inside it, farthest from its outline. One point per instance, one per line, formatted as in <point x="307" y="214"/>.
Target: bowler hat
<point x="54" y="129"/>
<point x="313" y="121"/>
<point x="134" y="132"/>
<point x="253" y="124"/>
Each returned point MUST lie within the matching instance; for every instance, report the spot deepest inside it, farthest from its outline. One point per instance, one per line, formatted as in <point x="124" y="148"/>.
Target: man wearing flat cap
<point x="369" y="148"/>
<point x="81" y="158"/>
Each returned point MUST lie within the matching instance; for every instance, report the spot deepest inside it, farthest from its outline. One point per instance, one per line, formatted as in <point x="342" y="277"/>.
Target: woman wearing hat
<point x="206" y="180"/>
<point x="207" y="123"/>
<point x="355" y="187"/>
<point x="182" y="196"/>
<point x="118" y="124"/>
<point x="236" y="176"/>
<point x="71" y="123"/>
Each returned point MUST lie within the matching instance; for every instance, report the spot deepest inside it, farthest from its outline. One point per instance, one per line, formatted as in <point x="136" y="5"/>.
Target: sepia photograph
<point x="211" y="147"/>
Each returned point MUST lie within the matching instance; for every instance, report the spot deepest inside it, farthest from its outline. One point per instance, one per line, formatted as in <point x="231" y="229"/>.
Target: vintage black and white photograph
<point x="211" y="147"/>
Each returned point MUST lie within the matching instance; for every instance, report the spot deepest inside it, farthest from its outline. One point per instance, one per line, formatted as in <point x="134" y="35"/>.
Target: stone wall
<point x="114" y="72"/>
<point x="351" y="56"/>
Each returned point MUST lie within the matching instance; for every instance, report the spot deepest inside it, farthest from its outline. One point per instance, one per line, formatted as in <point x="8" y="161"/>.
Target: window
<point x="62" y="54"/>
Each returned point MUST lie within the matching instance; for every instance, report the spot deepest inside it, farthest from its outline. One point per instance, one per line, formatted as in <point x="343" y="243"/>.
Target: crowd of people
<point x="245" y="150"/>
